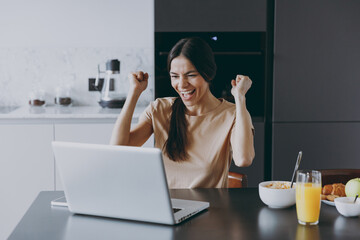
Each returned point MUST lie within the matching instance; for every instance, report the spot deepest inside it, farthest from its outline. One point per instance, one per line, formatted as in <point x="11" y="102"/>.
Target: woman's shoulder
<point x="227" y="103"/>
<point x="163" y="104"/>
<point x="226" y="110"/>
<point x="227" y="106"/>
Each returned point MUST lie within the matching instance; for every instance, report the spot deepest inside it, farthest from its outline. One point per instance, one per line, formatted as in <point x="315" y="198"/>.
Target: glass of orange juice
<point x="308" y="196"/>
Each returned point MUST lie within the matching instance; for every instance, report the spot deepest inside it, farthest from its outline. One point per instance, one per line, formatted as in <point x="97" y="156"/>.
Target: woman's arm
<point x="242" y="138"/>
<point x="121" y="134"/>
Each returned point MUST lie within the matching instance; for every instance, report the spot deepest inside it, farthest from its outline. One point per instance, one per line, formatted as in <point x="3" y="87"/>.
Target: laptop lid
<point x="114" y="181"/>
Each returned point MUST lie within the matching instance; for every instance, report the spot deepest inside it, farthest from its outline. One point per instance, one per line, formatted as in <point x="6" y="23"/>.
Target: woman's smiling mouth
<point x="186" y="95"/>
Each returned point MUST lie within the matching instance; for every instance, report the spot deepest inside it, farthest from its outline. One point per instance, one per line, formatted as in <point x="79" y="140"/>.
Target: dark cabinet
<point x="324" y="146"/>
<point x="255" y="172"/>
<point x="316" y="60"/>
<point x="316" y="85"/>
<point x="210" y="15"/>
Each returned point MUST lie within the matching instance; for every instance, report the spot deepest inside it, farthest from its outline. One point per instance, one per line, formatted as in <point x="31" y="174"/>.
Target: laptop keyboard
<point x="176" y="210"/>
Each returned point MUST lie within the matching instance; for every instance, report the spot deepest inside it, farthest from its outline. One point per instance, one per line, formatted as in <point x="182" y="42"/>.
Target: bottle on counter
<point x="62" y="96"/>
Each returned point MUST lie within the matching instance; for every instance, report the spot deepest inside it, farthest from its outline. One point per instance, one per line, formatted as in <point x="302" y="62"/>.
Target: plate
<point x="328" y="202"/>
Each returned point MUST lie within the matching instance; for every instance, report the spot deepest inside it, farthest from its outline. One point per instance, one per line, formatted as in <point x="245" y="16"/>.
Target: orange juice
<point x="308" y="196"/>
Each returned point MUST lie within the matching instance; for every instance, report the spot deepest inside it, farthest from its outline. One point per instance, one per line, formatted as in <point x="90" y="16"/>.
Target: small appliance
<point x="113" y="93"/>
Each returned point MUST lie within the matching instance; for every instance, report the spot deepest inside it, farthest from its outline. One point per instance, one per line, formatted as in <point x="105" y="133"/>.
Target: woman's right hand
<point x="138" y="81"/>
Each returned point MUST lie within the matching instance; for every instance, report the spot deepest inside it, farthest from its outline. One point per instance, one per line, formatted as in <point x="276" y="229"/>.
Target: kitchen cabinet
<point x="316" y="61"/>
<point x="255" y="172"/>
<point x="98" y="133"/>
<point x="324" y="146"/>
<point x="27" y="164"/>
<point x="315" y="85"/>
<point x="26" y="168"/>
<point x="84" y="133"/>
<point x="210" y="16"/>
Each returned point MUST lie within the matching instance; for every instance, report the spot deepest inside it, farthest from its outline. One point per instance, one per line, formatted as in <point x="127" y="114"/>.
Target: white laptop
<point x="119" y="182"/>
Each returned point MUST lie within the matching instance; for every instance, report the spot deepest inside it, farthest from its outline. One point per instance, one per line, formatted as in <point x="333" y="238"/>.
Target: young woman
<point x="198" y="133"/>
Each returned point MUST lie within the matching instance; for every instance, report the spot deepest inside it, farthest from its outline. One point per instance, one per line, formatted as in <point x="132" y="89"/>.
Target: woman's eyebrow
<point x="191" y="71"/>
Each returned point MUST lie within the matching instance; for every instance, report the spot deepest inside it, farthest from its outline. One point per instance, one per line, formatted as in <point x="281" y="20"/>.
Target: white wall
<point x="45" y="44"/>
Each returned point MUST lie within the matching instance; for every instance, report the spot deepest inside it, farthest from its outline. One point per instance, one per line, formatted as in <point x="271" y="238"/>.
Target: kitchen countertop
<point x="58" y="113"/>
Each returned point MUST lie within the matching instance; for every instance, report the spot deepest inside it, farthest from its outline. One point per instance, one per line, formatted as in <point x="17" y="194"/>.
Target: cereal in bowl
<point x="279" y="185"/>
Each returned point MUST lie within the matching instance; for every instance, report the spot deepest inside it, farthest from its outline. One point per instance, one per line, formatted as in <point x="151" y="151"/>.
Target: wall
<point x="46" y="44"/>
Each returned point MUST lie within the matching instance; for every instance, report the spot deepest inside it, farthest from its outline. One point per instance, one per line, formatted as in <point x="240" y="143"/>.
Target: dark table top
<point x="233" y="214"/>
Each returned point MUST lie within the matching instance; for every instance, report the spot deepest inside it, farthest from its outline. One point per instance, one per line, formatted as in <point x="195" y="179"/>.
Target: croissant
<point x="338" y="189"/>
<point x="327" y="189"/>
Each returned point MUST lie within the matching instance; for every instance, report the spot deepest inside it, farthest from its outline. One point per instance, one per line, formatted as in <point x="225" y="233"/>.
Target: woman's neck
<point x="207" y="103"/>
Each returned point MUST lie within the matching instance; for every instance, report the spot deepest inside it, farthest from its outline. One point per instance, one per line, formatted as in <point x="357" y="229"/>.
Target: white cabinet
<point x="27" y="162"/>
<point x="26" y="168"/>
<point x="86" y="133"/>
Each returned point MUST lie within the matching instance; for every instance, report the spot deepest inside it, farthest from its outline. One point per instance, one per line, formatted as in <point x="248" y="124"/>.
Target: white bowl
<point x="277" y="198"/>
<point x="347" y="207"/>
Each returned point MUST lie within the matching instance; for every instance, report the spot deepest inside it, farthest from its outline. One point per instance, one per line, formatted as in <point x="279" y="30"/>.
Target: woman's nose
<point x="183" y="81"/>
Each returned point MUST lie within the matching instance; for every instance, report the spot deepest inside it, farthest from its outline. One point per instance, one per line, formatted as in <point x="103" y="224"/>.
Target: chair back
<point x="330" y="176"/>
<point x="237" y="180"/>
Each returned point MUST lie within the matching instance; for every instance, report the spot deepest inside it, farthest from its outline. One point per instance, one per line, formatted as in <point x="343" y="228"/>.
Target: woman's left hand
<point x="240" y="86"/>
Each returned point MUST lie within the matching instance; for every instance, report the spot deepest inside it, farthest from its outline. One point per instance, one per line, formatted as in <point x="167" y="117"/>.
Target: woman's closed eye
<point x="192" y="75"/>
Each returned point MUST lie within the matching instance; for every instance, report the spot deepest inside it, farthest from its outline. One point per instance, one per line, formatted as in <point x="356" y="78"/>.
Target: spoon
<point x="296" y="167"/>
<point x="357" y="195"/>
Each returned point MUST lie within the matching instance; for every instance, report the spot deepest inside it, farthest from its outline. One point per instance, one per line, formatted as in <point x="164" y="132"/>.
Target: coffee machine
<point x="113" y="92"/>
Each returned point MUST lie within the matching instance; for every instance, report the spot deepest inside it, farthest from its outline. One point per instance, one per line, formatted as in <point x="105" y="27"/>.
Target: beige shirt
<point x="209" y="147"/>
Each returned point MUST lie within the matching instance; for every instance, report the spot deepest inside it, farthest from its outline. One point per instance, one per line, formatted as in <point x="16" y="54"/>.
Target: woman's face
<point x="187" y="81"/>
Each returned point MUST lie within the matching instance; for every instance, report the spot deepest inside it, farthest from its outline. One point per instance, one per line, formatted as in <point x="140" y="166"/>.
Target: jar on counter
<point x="62" y="96"/>
<point x="37" y="98"/>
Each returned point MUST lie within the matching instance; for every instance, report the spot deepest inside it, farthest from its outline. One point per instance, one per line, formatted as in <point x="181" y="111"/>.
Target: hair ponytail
<point x="176" y="143"/>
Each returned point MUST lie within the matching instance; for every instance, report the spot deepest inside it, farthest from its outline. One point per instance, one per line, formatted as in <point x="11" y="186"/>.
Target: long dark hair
<point x="200" y="54"/>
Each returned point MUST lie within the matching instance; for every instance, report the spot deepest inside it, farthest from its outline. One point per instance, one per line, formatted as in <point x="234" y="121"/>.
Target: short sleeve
<point x="147" y="114"/>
